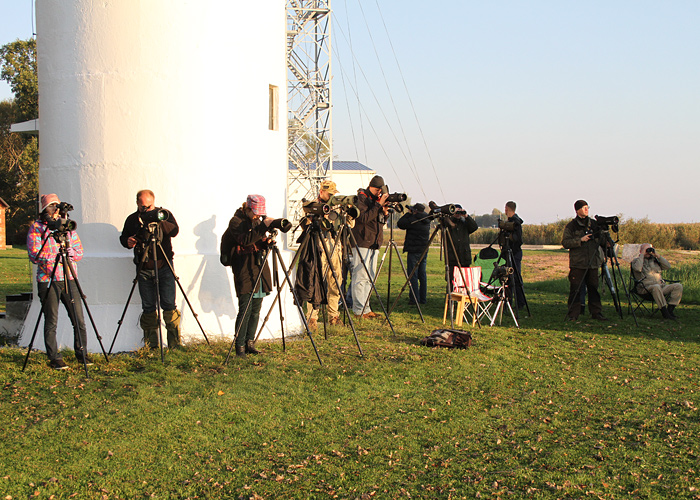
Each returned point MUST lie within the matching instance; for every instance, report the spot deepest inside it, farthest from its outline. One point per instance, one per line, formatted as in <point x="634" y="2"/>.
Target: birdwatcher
<point x="647" y="268"/>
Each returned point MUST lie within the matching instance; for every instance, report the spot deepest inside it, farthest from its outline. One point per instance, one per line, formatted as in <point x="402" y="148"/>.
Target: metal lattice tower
<point x="309" y="100"/>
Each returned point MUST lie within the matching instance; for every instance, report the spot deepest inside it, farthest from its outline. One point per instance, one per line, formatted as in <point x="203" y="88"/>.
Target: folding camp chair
<point x="640" y="296"/>
<point x="459" y="297"/>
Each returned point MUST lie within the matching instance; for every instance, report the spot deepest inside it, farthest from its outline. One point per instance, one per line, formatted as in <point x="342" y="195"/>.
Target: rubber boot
<point x="240" y="351"/>
<point x="149" y="325"/>
<point x="670" y="311"/>
<point x="172" y="325"/>
<point x="250" y="347"/>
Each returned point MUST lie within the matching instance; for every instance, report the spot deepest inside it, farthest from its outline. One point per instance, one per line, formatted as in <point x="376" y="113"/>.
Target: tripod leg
<point x="342" y="296"/>
<point x="36" y="327"/>
<point x="71" y="306"/>
<point x="87" y="308"/>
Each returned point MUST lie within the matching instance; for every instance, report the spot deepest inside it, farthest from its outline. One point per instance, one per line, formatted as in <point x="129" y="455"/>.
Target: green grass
<point x="15" y="273"/>
<point x="552" y="410"/>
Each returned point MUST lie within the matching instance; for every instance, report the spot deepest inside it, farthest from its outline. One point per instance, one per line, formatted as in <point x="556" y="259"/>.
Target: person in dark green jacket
<point x="585" y="257"/>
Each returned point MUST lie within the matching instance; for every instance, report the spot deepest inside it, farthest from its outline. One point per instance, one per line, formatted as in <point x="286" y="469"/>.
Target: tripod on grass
<point x="277" y="258"/>
<point x="62" y="258"/>
<point x="149" y="254"/>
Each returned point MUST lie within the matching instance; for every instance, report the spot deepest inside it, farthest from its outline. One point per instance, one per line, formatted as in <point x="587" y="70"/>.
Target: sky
<point x="542" y="102"/>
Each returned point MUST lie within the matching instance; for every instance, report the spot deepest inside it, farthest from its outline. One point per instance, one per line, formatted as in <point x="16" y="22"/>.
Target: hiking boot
<point x="599" y="317"/>
<point x="313" y="324"/>
<point x="58" y="364"/>
<point x="336" y="321"/>
<point x="250" y="347"/>
<point x="240" y="351"/>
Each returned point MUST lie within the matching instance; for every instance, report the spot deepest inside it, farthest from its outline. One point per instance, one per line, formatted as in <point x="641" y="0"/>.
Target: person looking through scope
<point x="148" y="225"/>
<point x="647" y="268"/>
<point x="248" y="230"/>
<point x="325" y="196"/>
<point x="460" y="226"/>
<point x="585" y="257"/>
<point x="416" y="223"/>
<point x="369" y="234"/>
<point x="511" y="237"/>
<point x="52" y="231"/>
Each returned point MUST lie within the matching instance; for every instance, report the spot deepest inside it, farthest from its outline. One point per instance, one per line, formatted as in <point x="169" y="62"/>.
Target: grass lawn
<point x="552" y="410"/>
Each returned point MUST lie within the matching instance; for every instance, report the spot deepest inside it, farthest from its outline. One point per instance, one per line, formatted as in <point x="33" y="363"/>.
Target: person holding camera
<point x="510" y="240"/>
<point x="248" y="229"/>
<point x="585" y="258"/>
<point x="141" y="228"/>
<point x="369" y="233"/>
<point x="460" y="226"/>
<point x="43" y="248"/>
<point x="647" y="268"/>
<point x="325" y="195"/>
<point x="416" y="223"/>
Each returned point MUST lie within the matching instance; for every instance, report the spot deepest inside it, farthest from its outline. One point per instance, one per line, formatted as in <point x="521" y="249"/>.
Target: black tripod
<point x="391" y="245"/>
<point x="277" y="258"/>
<point x="150" y="248"/>
<point x="62" y="258"/>
<point x="515" y="279"/>
<point x="503" y="294"/>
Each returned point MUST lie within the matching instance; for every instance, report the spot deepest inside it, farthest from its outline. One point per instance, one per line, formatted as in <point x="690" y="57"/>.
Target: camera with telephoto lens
<point x="608" y="222"/>
<point x="155" y="215"/>
<point x="504" y="225"/>
<point x="502" y="272"/>
<point x="345" y="203"/>
<point x="315" y="208"/>
<point x="394" y="200"/>
<point x="63" y="223"/>
<point x="448" y="209"/>
<point x="282" y="224"/>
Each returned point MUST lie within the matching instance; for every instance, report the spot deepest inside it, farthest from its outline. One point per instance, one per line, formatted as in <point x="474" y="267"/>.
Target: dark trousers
<point x="248" y="323"/>
<point x="420" y="275"/>
<point x="166" y="289"/>
<point x="590" y="277"/>
<point x="50" y="298"/>
<point x="517" y="283"/>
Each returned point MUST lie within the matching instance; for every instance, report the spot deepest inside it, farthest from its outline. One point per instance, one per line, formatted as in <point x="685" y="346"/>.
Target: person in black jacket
<point x="369" y="233"/>
<point x="249" y="227"/>
<point x="417" y="225"/>
<point x="460" y="226"/>
<point x="511" y="237"/>
<point x="135" y="234"/>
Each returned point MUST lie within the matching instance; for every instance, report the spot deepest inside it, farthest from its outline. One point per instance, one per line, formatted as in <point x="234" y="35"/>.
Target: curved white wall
<point x="169" y="95"/>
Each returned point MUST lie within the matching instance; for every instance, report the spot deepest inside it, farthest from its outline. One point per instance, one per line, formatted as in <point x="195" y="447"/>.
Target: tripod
<point x="151" y="247"/>
<point x="277" y="257"/>
<point x="62" y="258"/>
<point x="391" y="245"/>
<point x="515" y="277"/>
<point x="502" y="296"/>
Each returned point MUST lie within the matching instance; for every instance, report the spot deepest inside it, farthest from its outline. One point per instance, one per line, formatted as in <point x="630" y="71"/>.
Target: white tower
<point x="175" y="96"/>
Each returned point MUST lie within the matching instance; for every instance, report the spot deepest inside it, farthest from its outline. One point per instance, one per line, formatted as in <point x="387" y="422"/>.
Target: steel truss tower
<point x="309" y="101"/>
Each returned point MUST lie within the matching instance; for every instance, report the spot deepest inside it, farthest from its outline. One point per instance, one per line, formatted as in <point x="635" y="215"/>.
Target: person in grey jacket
<point x="585" y="257"/>
<point x="647" y="267"/>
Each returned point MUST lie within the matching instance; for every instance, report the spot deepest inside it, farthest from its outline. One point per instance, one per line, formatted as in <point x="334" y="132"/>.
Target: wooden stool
<point x="461" y="301"/>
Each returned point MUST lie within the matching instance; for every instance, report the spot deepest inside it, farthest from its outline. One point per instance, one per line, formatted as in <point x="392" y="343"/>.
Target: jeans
<point x="361" y="285"/>
<point x="147" y="289"/>
<point x="49" y="302"/>
<point x="419" y="276"/>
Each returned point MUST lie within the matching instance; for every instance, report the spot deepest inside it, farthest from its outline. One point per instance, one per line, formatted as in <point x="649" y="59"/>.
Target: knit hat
<point x="580" y="204"/>
<point x="419" y="207"/>
<point x="48" y="199"/>
<point x="376" y="182"/>
<point x="329" y="186"/>
<point x="256" y="202"/>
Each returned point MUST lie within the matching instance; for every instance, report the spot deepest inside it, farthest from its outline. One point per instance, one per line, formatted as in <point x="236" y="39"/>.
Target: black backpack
<point x="448" y="338"/>
<point x="228" y="243"/>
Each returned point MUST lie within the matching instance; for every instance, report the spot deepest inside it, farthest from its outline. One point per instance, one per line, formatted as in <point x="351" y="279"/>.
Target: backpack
<point x="447" y="338"/>
<point x="228" y="243"/>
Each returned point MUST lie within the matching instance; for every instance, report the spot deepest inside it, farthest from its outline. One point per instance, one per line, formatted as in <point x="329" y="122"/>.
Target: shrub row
<point x="667" y="236"/>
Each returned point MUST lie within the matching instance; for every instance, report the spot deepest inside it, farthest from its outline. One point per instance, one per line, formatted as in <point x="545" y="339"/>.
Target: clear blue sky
<point x="543" y="102"/>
